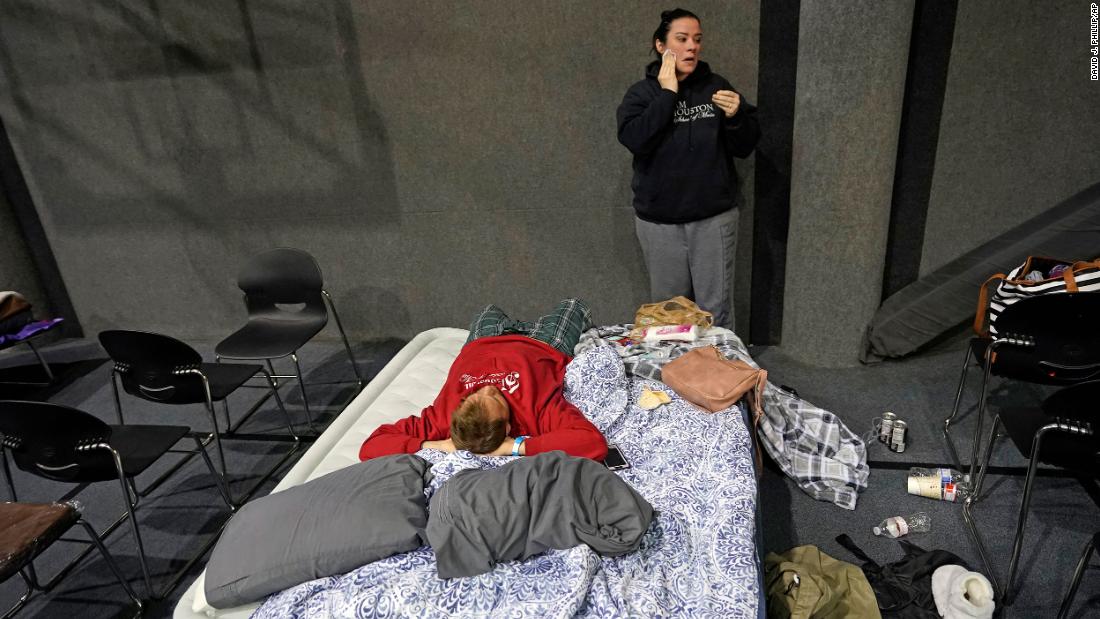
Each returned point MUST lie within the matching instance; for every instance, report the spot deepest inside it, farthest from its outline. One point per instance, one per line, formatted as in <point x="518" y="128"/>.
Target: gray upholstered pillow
<point x="330" y="525"/>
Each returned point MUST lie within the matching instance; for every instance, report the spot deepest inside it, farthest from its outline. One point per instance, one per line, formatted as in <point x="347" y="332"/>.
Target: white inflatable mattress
<point x="404" y="387"/>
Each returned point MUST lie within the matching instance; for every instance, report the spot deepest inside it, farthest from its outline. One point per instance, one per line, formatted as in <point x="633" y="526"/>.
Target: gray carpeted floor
<point x="921" y="391"/>
<point x="178" y="517"/>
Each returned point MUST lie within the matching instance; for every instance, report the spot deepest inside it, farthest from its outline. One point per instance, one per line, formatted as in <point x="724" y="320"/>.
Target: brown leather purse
<point x="708" y="380"/>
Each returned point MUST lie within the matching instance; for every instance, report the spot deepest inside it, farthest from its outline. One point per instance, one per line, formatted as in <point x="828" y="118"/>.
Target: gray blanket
<point x="480" y="518"/>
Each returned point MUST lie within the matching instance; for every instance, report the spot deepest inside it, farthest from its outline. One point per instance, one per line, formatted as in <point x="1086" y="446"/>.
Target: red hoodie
<point x="529" y="373"/>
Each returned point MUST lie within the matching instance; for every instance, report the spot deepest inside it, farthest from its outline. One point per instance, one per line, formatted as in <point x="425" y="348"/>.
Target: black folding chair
<point x="285" y="298"/>
<point x="1049" y="340"/>
<point x="162" y="369"/>
<point x="1060" y="433"/>
<point x="28" y="529"/>
<point x="67" y="445"/>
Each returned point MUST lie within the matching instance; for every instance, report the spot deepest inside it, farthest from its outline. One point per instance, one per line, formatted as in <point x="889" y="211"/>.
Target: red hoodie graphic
<point x="529" y="373"/>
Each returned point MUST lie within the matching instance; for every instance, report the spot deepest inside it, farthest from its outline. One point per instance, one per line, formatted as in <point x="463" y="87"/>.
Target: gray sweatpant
<point x="694" y="260"/>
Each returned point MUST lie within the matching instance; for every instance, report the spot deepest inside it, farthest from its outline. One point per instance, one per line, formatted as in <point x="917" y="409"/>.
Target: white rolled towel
<point x="962" y="594"/>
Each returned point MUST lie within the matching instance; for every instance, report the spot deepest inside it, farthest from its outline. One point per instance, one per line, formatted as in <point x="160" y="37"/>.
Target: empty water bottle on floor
<point x="941" y="484"/>
<point x="899" y="526"/>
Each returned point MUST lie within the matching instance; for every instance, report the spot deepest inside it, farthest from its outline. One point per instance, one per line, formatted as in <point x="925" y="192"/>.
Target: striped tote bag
<point x="1035" y="277"/>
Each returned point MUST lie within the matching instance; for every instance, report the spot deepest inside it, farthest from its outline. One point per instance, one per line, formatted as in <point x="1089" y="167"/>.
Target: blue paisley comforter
<point x="698" y="558"/>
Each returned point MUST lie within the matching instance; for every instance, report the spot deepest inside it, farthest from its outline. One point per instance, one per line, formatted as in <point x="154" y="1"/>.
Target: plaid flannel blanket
<point x="810" y="444"/>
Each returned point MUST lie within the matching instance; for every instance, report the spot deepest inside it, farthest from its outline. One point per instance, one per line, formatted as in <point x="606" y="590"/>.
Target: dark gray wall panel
<point x="27" y="264"/>
<point x="772" y="201"/>
<point x="17" y="270"/>
<point x="851" y="81"/>
<point x="925" y="83"/>
<point x="434" y="157"/>
<point x="1018" y="133"/>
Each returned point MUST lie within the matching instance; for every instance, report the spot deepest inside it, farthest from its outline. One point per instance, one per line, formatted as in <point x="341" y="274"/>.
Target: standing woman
<point x="684" y="125"/>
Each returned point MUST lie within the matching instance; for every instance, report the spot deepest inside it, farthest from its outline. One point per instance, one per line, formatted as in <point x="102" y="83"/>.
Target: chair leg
<point x="279" y="401"/>
<point x="41" y="361"/>
<point x="972" y="525"/>
<point x="1067" y="601"/>
<point x="225" y="404"/>
<point x="150" y="592"/>
<point x="217" y="438"/>
<point x="302" y="388"/>
<point x="134" y="494"/>
<point x="134" y="526"/>
<point x="986" y="456"/>
<point x="7" y="474"/>
<point x="223" y="485"/>
<point x="118" y="400"/>
<point x="955" y="409"/>
<point x="22" y="601"/>
<point x="1021" y="520"/>
<point x="975" y="443"/>
<point x="111" y="563"/>
<point x="246" y="494"/>
<point x="347" y="345"/>
<point x="30" y="576"/>
<point x="972" y="528"/>
<point x="213" y="420"/>
<point x="271" y="368"/>
<point x="225" y="409"/>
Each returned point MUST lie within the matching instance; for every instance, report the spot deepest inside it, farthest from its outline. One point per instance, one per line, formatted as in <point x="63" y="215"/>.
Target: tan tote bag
<point x="713" y="383"/>
<point x="708" y="380"/>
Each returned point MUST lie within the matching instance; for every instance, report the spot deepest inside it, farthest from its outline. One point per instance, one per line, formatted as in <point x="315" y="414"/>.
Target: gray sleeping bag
<point x="483" y="517"/>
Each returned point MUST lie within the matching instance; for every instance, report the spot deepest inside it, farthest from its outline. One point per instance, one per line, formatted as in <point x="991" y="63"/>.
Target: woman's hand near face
<point x="728" y="101"/>
<point x="667" y="75"/>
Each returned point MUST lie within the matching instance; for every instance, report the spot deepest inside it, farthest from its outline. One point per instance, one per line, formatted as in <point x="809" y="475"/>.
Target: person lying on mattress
<point x="503" y="394"/>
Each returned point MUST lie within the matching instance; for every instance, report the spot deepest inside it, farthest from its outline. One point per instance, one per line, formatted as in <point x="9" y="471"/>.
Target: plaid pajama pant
<point x="561" y="328"/>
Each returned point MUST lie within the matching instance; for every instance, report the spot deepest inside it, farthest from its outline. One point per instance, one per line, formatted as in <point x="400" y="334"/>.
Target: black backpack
<point x="904" y="588"/>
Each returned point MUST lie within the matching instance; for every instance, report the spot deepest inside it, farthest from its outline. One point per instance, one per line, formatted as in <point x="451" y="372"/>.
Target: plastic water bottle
<point x="897" y="526"/>
<point x="940" y="484"/>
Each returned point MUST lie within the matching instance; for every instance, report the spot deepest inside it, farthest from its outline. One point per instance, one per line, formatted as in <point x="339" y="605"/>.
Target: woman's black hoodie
<point x="684" y="146"/>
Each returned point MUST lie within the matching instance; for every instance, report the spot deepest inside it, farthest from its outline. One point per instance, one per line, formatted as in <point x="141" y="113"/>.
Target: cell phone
<point x="615" y="461"/>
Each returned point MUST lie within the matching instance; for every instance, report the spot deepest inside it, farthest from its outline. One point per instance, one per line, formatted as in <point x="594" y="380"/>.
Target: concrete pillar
<point x="852" y="59"/>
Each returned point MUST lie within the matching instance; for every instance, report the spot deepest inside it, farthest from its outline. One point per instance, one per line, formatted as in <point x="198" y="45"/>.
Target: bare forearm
<point x="443" y="445"/>
<point x="507" y="446"/>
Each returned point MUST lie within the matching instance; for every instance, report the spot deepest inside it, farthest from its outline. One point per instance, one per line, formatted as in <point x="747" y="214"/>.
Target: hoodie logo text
<point x="507" y="382"/>
<point x="685" y="114"/>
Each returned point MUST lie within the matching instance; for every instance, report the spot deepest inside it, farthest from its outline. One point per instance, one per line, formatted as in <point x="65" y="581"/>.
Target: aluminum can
<point x="885" y="430"/>
<point x="897" y="436"/>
